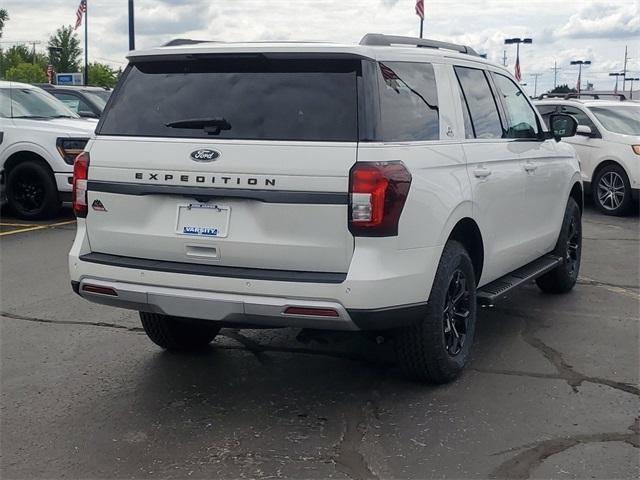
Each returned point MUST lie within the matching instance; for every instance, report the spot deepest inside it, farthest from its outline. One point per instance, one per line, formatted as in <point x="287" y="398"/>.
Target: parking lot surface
<point x="552" y="390"/>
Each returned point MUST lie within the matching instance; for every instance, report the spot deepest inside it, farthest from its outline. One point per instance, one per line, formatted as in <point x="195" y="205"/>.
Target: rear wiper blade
<point x="210" y="125"/>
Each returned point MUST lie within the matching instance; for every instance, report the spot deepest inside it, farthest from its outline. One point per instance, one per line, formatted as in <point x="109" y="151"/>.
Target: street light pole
<point x="580" y="63"/>
<point x="132" y="38"/>
<point x="633" y="79"/>
<point x="517" y="41"/>
<point x="616" y="74"/>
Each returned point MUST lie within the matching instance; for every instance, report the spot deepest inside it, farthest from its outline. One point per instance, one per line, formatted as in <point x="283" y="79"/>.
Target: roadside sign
<point x="69" y="78"/>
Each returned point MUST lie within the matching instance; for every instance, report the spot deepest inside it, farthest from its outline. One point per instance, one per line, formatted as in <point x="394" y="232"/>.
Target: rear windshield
<point x="251" y="97"/>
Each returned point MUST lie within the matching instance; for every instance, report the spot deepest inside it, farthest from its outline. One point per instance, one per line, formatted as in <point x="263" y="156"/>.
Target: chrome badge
<point x="205" y="155"/>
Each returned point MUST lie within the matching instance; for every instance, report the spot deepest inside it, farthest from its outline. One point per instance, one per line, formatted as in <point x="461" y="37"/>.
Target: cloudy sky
<point x="562" y="30"/>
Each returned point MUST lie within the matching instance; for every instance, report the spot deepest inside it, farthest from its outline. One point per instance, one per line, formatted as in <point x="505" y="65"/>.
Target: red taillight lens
<point x="80" y="175"/>
<point x="378" y="193"/>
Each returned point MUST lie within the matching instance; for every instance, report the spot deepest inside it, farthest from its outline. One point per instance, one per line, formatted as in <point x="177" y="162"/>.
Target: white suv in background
<point x="39" y="139"/>
<point x="377" y="186"/>
<point x="608" y="145"/>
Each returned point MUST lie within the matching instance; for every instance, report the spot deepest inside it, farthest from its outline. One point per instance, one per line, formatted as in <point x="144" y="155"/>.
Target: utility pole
<point x="504" y="58"/>
<point x="34" y="43"/>
<point x="555" y="74"/>
<point x="535" y="83"/>
<point x="624" y="69"/>
<point x="132" y="36"/>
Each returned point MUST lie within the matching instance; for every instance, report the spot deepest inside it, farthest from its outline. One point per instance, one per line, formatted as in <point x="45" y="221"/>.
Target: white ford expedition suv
<point x="348" y="187"/>
<point x="39" y="139"/>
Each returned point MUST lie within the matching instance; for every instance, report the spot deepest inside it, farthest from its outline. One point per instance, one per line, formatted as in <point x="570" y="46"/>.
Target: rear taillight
<point x="80" y="175"/>
<point x="378" y="192"/>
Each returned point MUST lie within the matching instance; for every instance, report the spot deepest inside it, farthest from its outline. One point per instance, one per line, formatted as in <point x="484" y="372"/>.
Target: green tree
<point x="27" y="73"/>
<point x="68" y="59"/>
<point x="563" y="89"/>
<point x="102" y="75"/>
<point x="4" y="16"/>
<point x="18" y="54"/>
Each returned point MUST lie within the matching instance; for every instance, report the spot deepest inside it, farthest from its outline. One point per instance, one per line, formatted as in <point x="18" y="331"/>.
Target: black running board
<point x="492" y="292"/>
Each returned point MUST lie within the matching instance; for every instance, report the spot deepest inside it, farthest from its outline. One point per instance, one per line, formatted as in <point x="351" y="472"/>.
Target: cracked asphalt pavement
<point x="552" y="390"/>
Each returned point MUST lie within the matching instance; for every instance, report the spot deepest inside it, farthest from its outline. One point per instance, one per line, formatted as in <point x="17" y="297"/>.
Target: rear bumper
<point x="385" y="287"/>
<point x="243" y="310"/>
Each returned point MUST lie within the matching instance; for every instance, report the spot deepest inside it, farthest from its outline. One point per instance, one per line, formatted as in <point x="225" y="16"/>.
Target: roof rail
<point x="596" y="96"/>
<point x="568" y="96"/>
<point x="379" y="39"/>
<point x="186" y="41"/>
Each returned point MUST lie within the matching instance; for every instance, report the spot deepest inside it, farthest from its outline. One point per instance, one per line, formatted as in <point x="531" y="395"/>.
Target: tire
<point x="611" y="191"/>
<point x="175" y="333"/>
<point x="569" y="246"/>
<point x="32" y="193"/>
<point x="426" y="350"/>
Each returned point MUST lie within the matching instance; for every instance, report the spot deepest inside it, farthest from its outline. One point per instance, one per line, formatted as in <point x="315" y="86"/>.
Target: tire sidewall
<point x="51" y="202"/>
<point x="458" y="259"/>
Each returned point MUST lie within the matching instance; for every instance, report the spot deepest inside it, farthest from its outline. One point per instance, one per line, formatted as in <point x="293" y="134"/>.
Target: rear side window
<point x="231" y="97"/>
<point x="482" y="106"/>
<point x="521" y="117"/>
<point x="408" y="102"/>
<point x="581" y="117"/>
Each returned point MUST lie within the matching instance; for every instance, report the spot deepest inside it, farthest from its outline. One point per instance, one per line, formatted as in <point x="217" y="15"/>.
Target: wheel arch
<point x="22" y="156"/>
<point x="467" y="232"/>
<point x="577" y="193"/>
<point x="606" y="163"/>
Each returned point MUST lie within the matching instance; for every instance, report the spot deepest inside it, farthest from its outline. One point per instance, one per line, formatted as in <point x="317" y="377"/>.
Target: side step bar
<point x="500" y="288"/>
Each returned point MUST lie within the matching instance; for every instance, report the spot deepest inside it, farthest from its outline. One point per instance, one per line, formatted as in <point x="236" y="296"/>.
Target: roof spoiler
<point x="186" y="41"/>
<point x="379" y="39"/>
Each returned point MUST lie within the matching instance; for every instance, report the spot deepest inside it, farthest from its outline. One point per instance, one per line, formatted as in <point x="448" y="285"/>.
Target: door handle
<point x="481" y="172"/>
<point x="530" y="167"/>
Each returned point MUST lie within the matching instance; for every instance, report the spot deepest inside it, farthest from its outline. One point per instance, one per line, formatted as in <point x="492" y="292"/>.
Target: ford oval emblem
<point x="205" y="155"/>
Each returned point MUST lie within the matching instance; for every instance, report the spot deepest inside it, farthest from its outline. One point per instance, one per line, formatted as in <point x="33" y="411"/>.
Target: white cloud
<point x="561" y="31"/>
<point x="602" y="20"/>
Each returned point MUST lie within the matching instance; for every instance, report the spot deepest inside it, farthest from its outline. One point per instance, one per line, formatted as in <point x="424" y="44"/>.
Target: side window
<point x="466" y="117"/>
<point x="546" y="111"/>
<point x="482" y="106"/>
<point x="408" y="102"/>
<point x="521" y="117"/>
<point x="73" y="103"/>
<point x="580" y="116"/>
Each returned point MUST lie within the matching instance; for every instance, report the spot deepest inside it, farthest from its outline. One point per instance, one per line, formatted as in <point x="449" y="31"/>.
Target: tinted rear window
<point x="408" y="102"/>
<point x="260" y="98"/>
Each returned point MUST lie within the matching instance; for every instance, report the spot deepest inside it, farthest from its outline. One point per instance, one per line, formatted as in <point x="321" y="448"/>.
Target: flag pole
<point x="421" y="26"/>
<point x="86" y="43"/>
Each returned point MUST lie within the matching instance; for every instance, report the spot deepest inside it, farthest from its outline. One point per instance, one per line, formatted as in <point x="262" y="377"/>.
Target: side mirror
<point x="562" y="125"/>
<point x="87" y="115"/>
<point x="584" y="130"/>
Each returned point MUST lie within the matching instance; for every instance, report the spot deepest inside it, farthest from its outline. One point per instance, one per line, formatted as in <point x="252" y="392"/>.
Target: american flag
<point x="420" y="8"/>
<point x="50" y="73"/>
<point x="518" y="73"/>
<point x="82" y="9"/>
<point x="391" y="78"/>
